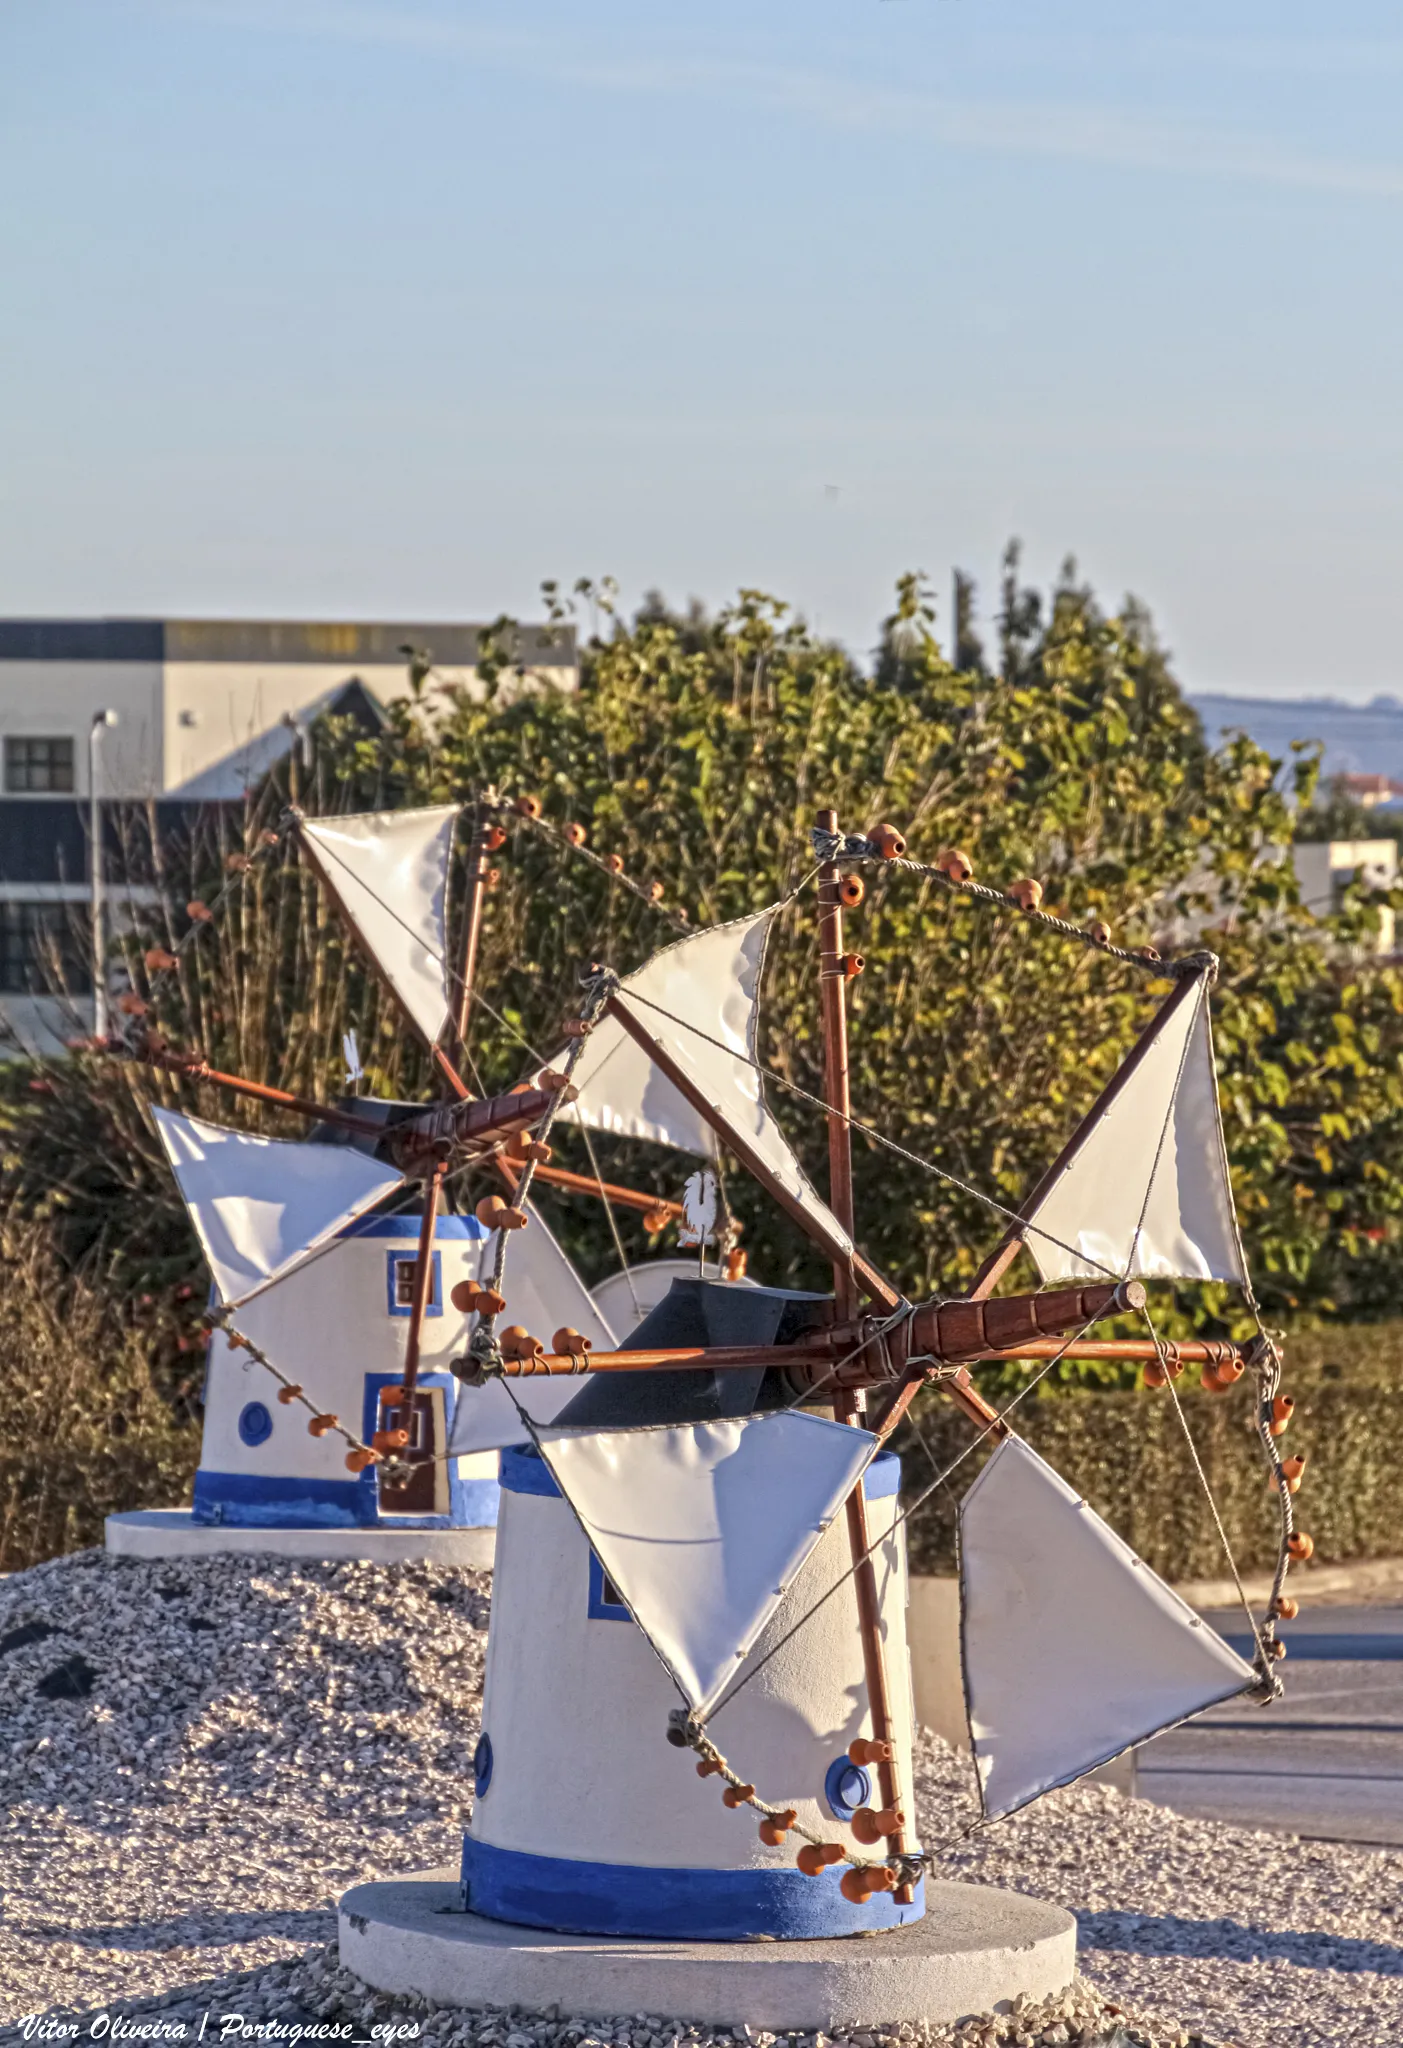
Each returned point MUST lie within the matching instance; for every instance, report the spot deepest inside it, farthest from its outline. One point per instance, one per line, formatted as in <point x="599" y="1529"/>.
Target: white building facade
<point x="202" y="709"/>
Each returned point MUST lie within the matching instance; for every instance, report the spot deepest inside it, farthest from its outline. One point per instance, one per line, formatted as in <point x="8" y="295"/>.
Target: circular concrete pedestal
<point x="975" y="1951"/>
<point x="173" y="1532"/>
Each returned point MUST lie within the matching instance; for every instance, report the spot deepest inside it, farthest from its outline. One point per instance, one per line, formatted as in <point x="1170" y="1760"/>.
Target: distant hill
<point x="1359" y="739"/>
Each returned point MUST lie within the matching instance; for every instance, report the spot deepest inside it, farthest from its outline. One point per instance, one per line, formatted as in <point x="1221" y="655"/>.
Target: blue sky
<point x="316" y="308"/>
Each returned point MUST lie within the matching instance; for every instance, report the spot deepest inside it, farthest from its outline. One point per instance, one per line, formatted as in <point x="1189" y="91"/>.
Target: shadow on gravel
<point x="212" y="1930"/>
<point x="1166" y="1934"/>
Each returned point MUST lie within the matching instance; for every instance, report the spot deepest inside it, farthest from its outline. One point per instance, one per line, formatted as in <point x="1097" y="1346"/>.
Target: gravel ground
<point x="198" y="1756"/>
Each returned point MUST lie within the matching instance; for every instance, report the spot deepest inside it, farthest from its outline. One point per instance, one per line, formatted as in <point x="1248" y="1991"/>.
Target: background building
<point x="1325" y="868"/>
<point x="203" y="709"/>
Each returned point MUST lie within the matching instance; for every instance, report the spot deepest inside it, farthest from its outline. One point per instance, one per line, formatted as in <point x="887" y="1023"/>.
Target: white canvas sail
<point x="702" y="1527"/>
<point x="1145" y="1194"/>
<point x="621" y="1091"/>
<point x="1073" y="1648"/>
<point x="543" y="1293"/>
<point x="261" y="1205"/>
<point x="710" y="983"/>
<point x="389" y="872"/>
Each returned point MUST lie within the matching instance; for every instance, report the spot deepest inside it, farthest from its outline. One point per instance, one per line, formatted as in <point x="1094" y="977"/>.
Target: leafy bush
<point x="699" y="750"/>
<point x="85" y="1430"/>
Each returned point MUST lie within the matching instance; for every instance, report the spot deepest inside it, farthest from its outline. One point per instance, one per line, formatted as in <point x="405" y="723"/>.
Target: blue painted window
<point x="399" y="1283"/>
<point x="604" y="1601"/>
<point x="255" y="1424"/>
<point x="846" y="1787"/>
<point x="482" y="1764"/>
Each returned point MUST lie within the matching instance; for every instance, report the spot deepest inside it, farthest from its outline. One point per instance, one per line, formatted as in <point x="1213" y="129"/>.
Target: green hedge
<point x="1126" y="1453"/>
<point x="83" y="1434"/>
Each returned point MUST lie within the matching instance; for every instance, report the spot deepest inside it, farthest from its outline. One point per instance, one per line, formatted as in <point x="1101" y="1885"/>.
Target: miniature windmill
<point x="690" y="1489"/>
<point x="329" y="1403"/>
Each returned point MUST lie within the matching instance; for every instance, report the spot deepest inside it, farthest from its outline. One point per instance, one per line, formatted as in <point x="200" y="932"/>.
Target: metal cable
<point x="1262" y="1657"/>
<point x="903" y="1515"/>
<point x="855" y="853"/>
<point x="869" y="1131"/>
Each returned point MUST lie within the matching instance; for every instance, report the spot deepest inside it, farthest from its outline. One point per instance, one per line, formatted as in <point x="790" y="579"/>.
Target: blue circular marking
<point x="846" y="1787"/>
<point x="482" y="1764"/>
<point x="255" y="1424"/>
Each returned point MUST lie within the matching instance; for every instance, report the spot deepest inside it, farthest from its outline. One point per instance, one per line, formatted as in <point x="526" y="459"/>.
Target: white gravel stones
<point x="1251" y="1938"/>
<point x="262" y="1733"/>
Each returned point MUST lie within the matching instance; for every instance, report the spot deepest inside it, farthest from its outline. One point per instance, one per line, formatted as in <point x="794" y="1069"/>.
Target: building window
<point x="38" y="767"/>
<point x="44" y="949"/>
<point x="399" y="1289"/>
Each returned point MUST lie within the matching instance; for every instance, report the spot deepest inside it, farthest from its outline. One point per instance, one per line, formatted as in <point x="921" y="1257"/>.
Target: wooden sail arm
<point x="487" y="836"/>
<point x="868" y="1278"/>
<point x="469" y="1124"/>
<point x="859" y="1353"/>
<point x="423" y="1285"/>
<point x="586" y="1184"/>
<point x="194" y="1068"/>
<point x="750" y="1357"/>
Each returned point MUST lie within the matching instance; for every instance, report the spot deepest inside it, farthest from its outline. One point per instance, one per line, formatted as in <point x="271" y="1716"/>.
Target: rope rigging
<point x="887" y="848"/>
<point x="485" y="1352"/>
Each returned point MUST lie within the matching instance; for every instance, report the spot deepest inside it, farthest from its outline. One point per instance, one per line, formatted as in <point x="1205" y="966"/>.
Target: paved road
<point x="1327" y="1761"/>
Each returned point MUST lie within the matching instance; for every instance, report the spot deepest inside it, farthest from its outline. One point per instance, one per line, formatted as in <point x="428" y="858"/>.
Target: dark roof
<point x="452" y="646"/>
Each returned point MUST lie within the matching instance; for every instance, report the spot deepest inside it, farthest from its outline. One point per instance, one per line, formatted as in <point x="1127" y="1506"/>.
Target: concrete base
<point x="173" y="1532"/>
<point x="975" y="1951"/>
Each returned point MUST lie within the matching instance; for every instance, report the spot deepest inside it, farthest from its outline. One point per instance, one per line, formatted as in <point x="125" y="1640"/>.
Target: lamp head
<point x="104" y="718"/>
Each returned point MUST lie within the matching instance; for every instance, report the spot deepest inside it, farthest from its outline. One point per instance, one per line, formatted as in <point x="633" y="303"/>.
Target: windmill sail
<point x="698" y="1001"/>
<point x="389" y="872"/>
<point x="543" y="1292"/>
<point x="703" y="1527"/>
<point x="261" y="1205"/>
<point x="1073" y="1649"/>
<point x="621" y="1091"/>
<point x="1143" y="1190"/>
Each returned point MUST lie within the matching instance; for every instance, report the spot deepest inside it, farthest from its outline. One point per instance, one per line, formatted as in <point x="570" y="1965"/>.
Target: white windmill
<point x="696" y="1723"/>
<point x="332" y="1424"/>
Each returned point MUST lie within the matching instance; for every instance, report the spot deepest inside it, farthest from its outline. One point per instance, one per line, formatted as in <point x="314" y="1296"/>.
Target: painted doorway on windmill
<point x="426" y="1491"/>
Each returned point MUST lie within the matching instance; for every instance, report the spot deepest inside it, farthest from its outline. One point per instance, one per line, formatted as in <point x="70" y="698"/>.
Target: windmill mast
<point x="433" y="1181"/>
<point x="487" y="837"/>
<point x="833" y="998"/>
<point x="849" y="1405"/>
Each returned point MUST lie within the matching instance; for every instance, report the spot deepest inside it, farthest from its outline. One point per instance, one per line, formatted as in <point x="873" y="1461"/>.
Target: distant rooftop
<point x="276" y="640"/>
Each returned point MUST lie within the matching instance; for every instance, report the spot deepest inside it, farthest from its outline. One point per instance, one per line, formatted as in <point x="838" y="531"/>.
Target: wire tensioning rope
<point x="878" y="1137"/>
<point x="803" y="1094"/>
<point x="904" y="1515"/>
<point x="854" y="848"/>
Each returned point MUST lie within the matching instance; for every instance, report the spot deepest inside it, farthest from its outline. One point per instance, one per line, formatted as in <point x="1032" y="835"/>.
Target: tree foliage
<point x="699" y="749"/>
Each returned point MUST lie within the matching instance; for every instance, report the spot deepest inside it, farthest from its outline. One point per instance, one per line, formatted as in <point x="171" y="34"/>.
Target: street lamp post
<point x="101" y="721"/>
